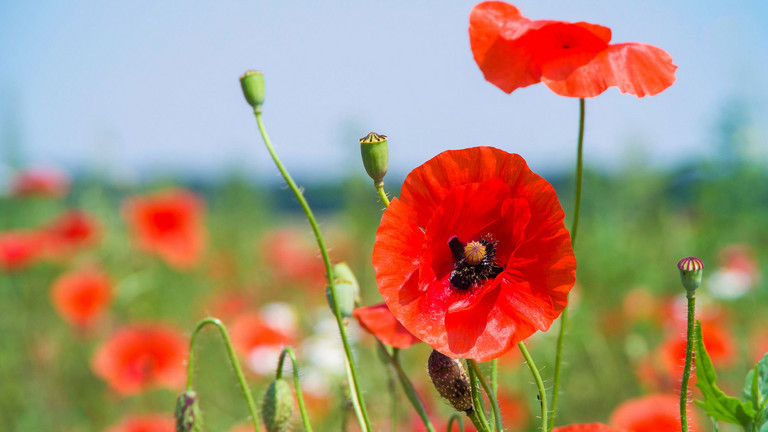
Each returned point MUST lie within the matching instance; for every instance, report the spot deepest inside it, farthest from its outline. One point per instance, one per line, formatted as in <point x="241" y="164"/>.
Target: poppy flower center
<point x="474" y="262"/>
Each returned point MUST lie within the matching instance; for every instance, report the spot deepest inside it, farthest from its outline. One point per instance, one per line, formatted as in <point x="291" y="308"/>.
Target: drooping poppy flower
<point x="19" y="249"/>
<point x="70" y="232"/>
<point x="81" y="296"/>
<point x="169" y="224"/>
<point x="140" y="357"/>
<point x="379" y="321"/>
<point x="39" y="182"/>
<point x="145" y="423"/>
<point x="572" y="59"/>
<point x="586" y="427"/>
<point x="473" y="257"/>
<point x="261" y="340"/>
<point x="652" y="413"/>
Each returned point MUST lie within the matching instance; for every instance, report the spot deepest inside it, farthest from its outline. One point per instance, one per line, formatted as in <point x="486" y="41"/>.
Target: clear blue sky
<point x="142" y="86"/>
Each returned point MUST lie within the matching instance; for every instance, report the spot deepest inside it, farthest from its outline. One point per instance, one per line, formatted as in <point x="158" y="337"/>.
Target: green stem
<point x="574" y="231"/>
<point x="491" y="395"/>
<point x="408" y="388"/>
<point x="477" y="401"/>
<point x="688" y="359"/>
<point x="480" y="425"/>
<point x="539" y="384"/>
<point x="357" y="397"/>
<point x="382" y="194"/>
<point x="455" y="417"/>
<point x="495" y="375"/>
<point x="232" y="359"/>
<point x="296" y="384"/>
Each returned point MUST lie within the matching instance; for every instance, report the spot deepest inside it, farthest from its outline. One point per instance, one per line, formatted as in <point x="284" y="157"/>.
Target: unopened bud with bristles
<point x="347" y="290"/>
<point x="451" y="381"/>
<point x="691" y="270"/>
<point x="375" y="152"/>
<point x="188" y="414"/>
<point x="277" y="406"/>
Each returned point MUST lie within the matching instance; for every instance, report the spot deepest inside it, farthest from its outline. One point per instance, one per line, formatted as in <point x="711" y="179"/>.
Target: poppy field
<point x="472" y="294"/>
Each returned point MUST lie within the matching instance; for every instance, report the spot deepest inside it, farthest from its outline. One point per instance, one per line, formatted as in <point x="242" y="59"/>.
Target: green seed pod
<point x="252" y="83"/>
<point x="345" y="297"/>
<point x="188" y="415"/>
<point x="342" y="272"/>
<point x="691" y="271"/>
<point x="277" y="406"/>
<point x="451" y="381"/>
<point x="375" y="152"/>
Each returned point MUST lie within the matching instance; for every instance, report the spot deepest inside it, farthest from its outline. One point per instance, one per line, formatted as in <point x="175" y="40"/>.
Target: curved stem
<point x="574" y="231"/>
<point x="408" y="388"/>
<point x="455" y="417"/>
<point x="688" y="359"/>
<point x="357" y="397"/>
<point x="232" y="359"/>
<point x="491" y="395"/>
<point x="296" y="384"/>
<point x="382" y="194"/>
<point x="477" y="401"/>
<point x="478" y="422"/>
<point x="539" y="384"/>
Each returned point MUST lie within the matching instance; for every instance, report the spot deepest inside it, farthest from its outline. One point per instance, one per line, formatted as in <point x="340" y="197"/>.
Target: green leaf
<point x="716" y="403"/>
<point x="756" y="391"/>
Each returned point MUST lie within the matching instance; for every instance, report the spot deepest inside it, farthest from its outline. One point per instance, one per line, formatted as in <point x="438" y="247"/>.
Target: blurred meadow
<point x="80" y="266"/>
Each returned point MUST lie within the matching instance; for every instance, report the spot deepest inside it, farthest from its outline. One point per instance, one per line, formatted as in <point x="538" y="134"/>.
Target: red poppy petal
<point x="398" y="246"/>
<point x="588" y="427"/>
<point x="635" y="68"/>
<point x="381" y="323"/>
<point x="561" y="47"/>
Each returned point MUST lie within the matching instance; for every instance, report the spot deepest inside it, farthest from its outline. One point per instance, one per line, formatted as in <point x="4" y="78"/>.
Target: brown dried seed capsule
<point x="451" y="381"/>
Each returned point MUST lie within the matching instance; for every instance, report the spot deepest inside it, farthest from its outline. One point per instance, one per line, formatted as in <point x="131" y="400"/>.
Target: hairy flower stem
<point x="232" y="359"/>
<point x="539" y="385"/>
<point x="288" y="351"/>
<point x="491" y="395"/>
<point x="688" y="359"/>
<point x="410" y="391"/>
<point x="382" y="194"/>
<point x="574" y="231"/>
<point x="357" y="397"/>
<point x="478" y="415"/>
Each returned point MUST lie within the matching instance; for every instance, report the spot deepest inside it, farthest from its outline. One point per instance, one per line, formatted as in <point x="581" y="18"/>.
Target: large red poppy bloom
<point x="19" y="249"/>
<point x="140" y="357"/>
<point x="572" y="59"/>
<point x="379" y="321"/>
<point x="81" y="296"/>
<point x="652" y="413"/>
<point x="473" y="257"/>
<point x="145" y="423"/>
<point x="169" y="224"/>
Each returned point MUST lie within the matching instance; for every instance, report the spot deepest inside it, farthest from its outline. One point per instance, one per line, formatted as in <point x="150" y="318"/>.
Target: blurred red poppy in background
<point x="717" y="339"/>
<point x="652" y="413"/>
<point x="572" y="59"/>
<point x="70" y="232"/>
<point x="260" y="341"/>
<point x="473" y="257"/>
<point x="145" y="423"/>
<point x="19" y="249"/>
<point x="81" y="296"/>
<point x="140" y="357"/>
<point x="587" y="427"/>
<point x="293" y="258"/>
<point x="169" y="224"/>
<point x="379" y="321"/>
<point x="39" y="182"/>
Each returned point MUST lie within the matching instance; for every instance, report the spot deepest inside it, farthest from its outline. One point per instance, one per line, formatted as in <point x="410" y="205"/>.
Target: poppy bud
<point x="347" y="290"/>
<point x="451" y="381"/>
<point x="375" y="152"/>
<point x="253" y="88"/>
<point x="188" y="415"/>
<point x="691" y="270"/>
<point x="277" y="406"/>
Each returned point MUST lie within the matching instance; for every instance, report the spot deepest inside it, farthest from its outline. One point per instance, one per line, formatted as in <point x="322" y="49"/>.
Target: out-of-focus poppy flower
<point x="260" y="341"/>
<point x="169" y="224"/>
<point x="70" y="232"/>
<point x="717" y="339"/>
<point x="293" y="258"/>
<point x="19" y="249"/>
<point x="40" y="182"/>
<point x="572" y="59"/>
<point x="738" y="272"/>
<point x="380" y="322"/>
<point x="587" y="427"/>
<point x="227" y="304"/>
<point x="81" y="296"/>
<point x="652" y="413"/>
<point x="473" y="257"/>
<point x="514" y="411"/>
<point x="640" y="304"/>
<point x="140" y="357"/>
<point x="145" y="423"/>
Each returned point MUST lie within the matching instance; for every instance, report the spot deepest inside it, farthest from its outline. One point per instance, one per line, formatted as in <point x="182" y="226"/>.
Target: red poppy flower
<point x="379" y="321"/>
<point x="473" y="257"/>
<point x="145" y="423"/>
<point x="572" y="59"/>
<point x="168" y="224"/>
<point x="260" y="341"/>
<point x="81" y="296"/>
<point x="71" y="231"/>
<point x="652" y="413"/>
<point x="140" y="357"/>
<point x="18" y="249"/>
<point x="41" y="182"/>
<point x="587" y="427"/>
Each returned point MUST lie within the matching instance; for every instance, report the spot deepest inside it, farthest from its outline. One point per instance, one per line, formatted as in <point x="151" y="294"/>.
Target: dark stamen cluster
<point x="465" y="275"/>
